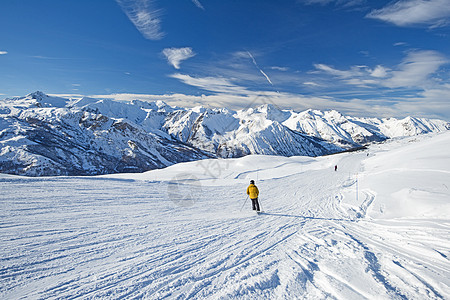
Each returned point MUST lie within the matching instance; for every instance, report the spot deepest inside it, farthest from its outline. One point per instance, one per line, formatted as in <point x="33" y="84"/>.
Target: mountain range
<point x="42" y="135"/>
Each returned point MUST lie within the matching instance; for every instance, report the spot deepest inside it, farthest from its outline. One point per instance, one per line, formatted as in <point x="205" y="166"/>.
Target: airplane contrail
<point x="256" y="65"/>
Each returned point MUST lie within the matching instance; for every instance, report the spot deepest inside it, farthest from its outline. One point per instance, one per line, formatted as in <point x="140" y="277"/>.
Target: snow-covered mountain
<point x="234" y="134"/>
<point x="349" y="132"/>
<point x="44" y="135"/>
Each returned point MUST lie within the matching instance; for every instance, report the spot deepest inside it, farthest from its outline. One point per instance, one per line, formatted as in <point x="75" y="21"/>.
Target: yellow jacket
<point x="252" y="191"/>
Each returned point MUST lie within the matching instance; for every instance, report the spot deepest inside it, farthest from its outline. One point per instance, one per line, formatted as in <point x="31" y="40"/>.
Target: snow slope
<point x="378" y="228"/>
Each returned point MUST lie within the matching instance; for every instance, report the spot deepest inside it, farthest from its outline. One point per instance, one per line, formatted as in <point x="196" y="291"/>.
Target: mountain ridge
<point x="46" y="135"/>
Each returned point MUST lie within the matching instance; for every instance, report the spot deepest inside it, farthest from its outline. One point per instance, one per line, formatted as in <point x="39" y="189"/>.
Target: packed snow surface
<point x="377" y="228"/>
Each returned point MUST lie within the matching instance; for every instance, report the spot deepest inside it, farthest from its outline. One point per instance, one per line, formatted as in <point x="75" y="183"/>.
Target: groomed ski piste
<point x="377" y="228"/>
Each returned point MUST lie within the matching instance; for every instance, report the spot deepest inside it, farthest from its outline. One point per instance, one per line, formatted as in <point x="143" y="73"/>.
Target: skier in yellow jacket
<point x="253" y="192"/>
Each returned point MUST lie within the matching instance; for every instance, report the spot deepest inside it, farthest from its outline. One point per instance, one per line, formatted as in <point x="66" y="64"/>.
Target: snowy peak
<point x="253" y="131"/>
<point x="331" y="126"/>
<point x="85" y="101"/>
<point x="267" y="111"/>
<point x="349" y="132"/>
<point x="156" y="106"/>
<point x="409" y="126"/>
<point x="271" y="112"/>
<point x="36" y="100"/>
<point x="37" y="95"/>
<point x="45" y="135"/>
<point x="86" y="137"/>
<point x="44" y="100"/>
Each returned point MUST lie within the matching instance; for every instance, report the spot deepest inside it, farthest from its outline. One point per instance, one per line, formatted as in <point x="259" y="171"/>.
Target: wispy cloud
<point x="3" y="52"/>
<point x="416" y="68"/>
<point x="414" y="71"/>
<point x="311" y="83"/>
<point x="52" y="57"/>
<point x="176" y="55"/>
<point x="335" y="72"/>
<point x="212" y="84"/>
<point x="227" y="93"/>
<point x="341" y="3"/>
<point x="198" y="4"/>
<point x="283" y="69"/>
<point x="413" y="86"/>
<point x="356" y="75"/>
<point x="144" y="16"/>
<point x="253" y="98"/>
<point x="430" y="103"/>
<point x="414" y="12"/>
<point x="223" y="92"/>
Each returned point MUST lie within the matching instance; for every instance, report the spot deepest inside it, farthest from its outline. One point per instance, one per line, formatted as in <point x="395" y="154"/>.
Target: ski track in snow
<point x="107" y="237"/>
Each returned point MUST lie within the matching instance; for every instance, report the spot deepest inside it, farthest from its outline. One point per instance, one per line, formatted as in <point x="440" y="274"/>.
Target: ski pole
<point x="260" y="204"/>
<point x="244" y="203"/>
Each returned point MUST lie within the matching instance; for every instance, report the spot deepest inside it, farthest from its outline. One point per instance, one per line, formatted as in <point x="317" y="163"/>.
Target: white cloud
<point x="250" y="99"/>
<point x="68" y="96"/>
<point x="414" y="12"/>
<point x="240" y="55"/>
<point x="330" y="70"/>
<point x="416" y="68"/>
<point x="212" y="84"/>
<point x="310" y="83"/>
<point x="3" y="52"/>
<point x="176" y="55"/>
<point x="414" y="71"/>
<point x="283" y="69"/>
<point x="226" y="93"/>
<point x="359" y="90"/>
<point x="198" y="4"/>
<point x="432" y="102"/>
<point x="379" y="72"/>
<point x="360" y="82"/>
<point x="423" y="105"/>
<point x="144" y="16"/>
<point x="354" y="71"/>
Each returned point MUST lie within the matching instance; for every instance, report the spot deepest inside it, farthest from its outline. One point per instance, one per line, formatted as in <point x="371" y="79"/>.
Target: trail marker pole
<point x="357" y="188"/>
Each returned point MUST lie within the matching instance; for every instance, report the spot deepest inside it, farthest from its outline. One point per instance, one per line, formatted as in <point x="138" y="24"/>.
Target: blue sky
<point x="361" y="57"/>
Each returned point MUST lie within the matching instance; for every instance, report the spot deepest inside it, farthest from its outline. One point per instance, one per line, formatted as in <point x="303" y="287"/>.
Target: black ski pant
<point x="255" y="204"/>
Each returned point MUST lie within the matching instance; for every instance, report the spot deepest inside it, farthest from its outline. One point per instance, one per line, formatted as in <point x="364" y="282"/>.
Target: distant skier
<point x="335" y="168"/>
<point x="253" y="192"/>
